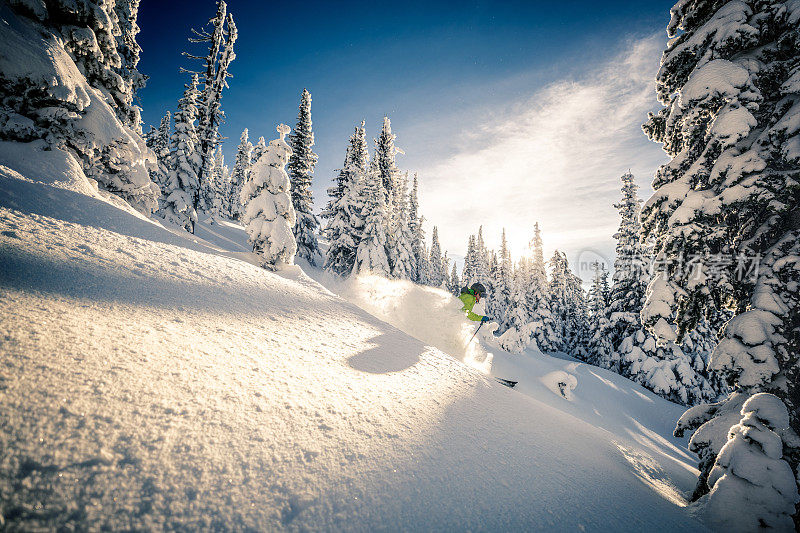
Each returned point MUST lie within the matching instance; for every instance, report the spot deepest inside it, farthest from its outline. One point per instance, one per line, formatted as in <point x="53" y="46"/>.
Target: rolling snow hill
<point x="154" y="380"/>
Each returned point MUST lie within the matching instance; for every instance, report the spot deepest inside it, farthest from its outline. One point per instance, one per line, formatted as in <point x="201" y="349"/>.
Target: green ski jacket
<point x="469" y="302"/>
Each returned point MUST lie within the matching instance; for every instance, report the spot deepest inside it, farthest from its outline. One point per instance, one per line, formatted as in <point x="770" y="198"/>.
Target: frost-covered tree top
<point x="384" y="158"/>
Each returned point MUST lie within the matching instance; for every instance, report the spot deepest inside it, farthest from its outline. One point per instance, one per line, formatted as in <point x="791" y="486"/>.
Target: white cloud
<point x="555" y="157"/>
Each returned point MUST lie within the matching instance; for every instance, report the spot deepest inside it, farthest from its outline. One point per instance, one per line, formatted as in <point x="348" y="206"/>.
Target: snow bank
<point x="153" y="381"/>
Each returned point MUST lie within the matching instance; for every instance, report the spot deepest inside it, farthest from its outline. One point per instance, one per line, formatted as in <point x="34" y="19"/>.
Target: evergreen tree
<point x="221" y="183"/>
<point x="597" y="293"/>
<point x="126" y="12"/>
<point x="445" y="271"/>
<point x="424" y="265"/>
<point x="455" y="283"/>
<point x="538" y="297"/>
<point x="158" y="141"/>
<point x="344" y="214"/>
<point x="371" y="251"/>
<point x="435" y="260"/>
<point x="752" y="485"/>
<point x="384" y="159"/>
<point x="398" y="234"/>
<point x="268" y="214"/>
<point x="240" y="175"/>
<point x="220" y="39"/>
<point x="468" y="275"/>
<point x="91" y="39"/>
<point x="729" y="85"/>
<point x="301" y="168"/>
<point x="518" y="335"/>
<point x="481" y="258"/>
<point x="557" y="303"/>
<point x="577" y="314"/>
<point x="182" y="183"/>
<point x="418" y="248"/>
<point x="502" y="286"/>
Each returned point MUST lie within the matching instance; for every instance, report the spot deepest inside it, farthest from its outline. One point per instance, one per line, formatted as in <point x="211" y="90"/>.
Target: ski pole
<point x="476" y="332"/>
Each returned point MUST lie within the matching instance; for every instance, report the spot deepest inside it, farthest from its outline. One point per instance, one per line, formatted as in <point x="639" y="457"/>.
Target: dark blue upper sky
<point x="427" y="65"/>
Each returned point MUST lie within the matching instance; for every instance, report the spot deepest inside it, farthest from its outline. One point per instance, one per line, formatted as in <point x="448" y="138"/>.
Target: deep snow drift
<point x="151" y="379"/>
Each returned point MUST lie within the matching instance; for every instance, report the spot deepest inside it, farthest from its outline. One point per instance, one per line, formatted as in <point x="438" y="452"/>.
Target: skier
<point x="469" y="297"/>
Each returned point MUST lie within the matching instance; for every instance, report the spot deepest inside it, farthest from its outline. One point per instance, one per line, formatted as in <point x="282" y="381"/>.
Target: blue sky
<point x="510" y="112"/>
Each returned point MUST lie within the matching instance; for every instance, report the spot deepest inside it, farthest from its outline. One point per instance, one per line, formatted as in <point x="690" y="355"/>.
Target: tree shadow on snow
<point x="390" y="353"/>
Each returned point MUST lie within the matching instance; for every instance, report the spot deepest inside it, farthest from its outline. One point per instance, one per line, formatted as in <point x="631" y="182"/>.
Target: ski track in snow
<point x="154" y="380"/>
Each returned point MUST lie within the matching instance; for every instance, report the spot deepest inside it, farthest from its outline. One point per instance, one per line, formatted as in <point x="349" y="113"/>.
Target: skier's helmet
<point x="479" y="289"/>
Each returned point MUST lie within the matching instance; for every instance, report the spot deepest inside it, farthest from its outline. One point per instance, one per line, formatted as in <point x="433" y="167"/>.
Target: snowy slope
<point x="154" y="380"/>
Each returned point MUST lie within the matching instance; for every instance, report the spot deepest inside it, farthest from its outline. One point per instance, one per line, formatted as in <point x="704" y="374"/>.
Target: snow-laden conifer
<point x="182" y="187"/>
<point x="435" y="260"/>
<point x="384" y="159"/>
<point x="371" y="251"/>
<point x="240" y="174"/>
<point x="398" y="233"/>
<point x="418" y="248"/>
<point x="75" y="90"/>
<point x="730" y="87"/>
<point x="268" y="214"/>
<point x="538" y="299"/>
<point x="455" y="282"/>
<point x="468" y="275"/>
<point x="220" y="36"/>
<point x="301" y="170"/>
<point x="752" y="485"/>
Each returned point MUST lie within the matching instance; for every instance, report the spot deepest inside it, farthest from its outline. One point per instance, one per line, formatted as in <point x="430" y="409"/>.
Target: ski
<point x="506" y="382"/>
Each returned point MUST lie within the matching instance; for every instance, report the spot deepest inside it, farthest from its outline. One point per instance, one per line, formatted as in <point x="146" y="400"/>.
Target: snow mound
<point x="155" y="380"/>
<point x="560" y="382"/>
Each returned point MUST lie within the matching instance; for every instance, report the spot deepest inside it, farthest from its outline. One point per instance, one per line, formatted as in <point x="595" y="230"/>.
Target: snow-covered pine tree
<point x="220" y="39"/>
<point x="159" y="143"/>
<point x="240" y="173"/>
<point x="577" y="330"/>
<point x="81" y="101"/>
<point x="468" y="275"/>
<point x="518" y="335"/>
<point x="398" y="233"/>
<point x="371" y="251"/>
<point x="455" y="283"/>
<point x="435" y="260"/>
<point x="301" y="169"/>
<point x="730" y="87"/>
<point x="445" y="271"/>
<point x="384" y="159"/>
<point x="481" y="258"/>
<point x="221" y="183"/>
<point x="268" y="213"/>
<point x="424" y="265"/>
<point x="502" y="286"/>
<point x="597" y="294"/>
<point x="752" y="485"/>
<point x="182" y="184"/>
<point x="538" y="298"/>
<point x="557" y="302"/>
<point x="620" y="342"/>
<point x="599" y="345"/>
<point x="345" y="222"/>
<point x="415" y="224"/>
<point x="127" y="12"/>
